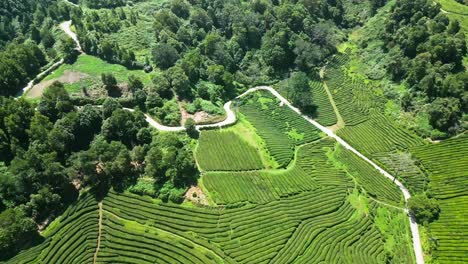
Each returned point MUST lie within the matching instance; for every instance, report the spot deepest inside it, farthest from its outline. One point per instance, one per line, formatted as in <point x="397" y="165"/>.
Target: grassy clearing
<point x="94" y="67"/>
<point x="91" y="68"/>
<point x="453" y="6"/>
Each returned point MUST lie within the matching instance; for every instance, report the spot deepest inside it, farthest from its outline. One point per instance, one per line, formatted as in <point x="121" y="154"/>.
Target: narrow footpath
<point x="340" y="122"/>
<point x="66" y="27"/>
<point x="99" y="233"/>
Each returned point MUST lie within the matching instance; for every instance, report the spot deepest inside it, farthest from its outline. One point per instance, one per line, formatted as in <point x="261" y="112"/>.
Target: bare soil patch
<point x="196" y="195"/>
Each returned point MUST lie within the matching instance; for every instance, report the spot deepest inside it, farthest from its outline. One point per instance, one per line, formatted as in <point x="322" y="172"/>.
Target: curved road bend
<point x="231" y="119"/>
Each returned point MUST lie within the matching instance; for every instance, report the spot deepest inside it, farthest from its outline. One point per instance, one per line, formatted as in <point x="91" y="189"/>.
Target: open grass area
<point x="94" y="67"/>
<point x="453" y="6"/>
<point x="86" y="72"/>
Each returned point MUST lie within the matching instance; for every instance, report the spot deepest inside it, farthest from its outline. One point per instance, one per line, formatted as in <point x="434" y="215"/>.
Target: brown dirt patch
<point x="196" y="195"/>
<point x="67" y="77"/>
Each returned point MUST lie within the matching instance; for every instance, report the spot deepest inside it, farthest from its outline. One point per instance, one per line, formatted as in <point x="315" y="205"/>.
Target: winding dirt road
<point x="66" y="27"/>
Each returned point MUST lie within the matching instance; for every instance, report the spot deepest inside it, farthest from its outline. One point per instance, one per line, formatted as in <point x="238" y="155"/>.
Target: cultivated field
<point x="370" y="131"/>
<point x="446" y="164"/>
<point x="280" y="127"/>
<point x="226" y="151"/>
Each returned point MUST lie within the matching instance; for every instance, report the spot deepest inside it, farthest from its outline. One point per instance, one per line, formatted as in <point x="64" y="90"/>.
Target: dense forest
<point x="205" y="52"/>
<point x="419" y="48"/>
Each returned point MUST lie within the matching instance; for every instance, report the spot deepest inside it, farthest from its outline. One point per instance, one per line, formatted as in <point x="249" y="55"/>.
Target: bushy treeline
<point x="32" y="19"/>
<point x="91" y="27"/>
<point x="50" y="151"/>
<point x="213" y="49"/>
<point x="426" y="53"/>
<point x="106" y="3"/>
<point x="17" y="63"/>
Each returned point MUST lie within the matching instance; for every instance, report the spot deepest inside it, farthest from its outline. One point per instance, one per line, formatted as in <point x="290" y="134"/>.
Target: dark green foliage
<point x="123" y="126"/>
<point x="15" y="120"/>
<point x="426" y="51"/>
<point x="181" y="8"/>
<point x="170" y="162"/>
<point x="109" y="106"/>
<point x="44" y="204"/>
<point x="297" y="90"/>
<point x="104" y="3"/>
<point x="424" y="209"/>
<point x="103" y="165"/>
<point x="55" y="102"/>
<point x="190" y="127"/>
<point x="18" y="63"/>
<point x="17" y="231"/>
<point x="444" y="113"/>
<point x="134" y="84"/>
<point x="164" y="56"/>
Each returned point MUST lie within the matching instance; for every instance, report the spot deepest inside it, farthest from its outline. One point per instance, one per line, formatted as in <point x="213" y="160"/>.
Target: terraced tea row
<point x="225" y="151"/>
<point x="405" y="168"/>
<point x="249" y="233"/>
<point x="311" y="170"/>
<point x="324" y="112"/>
<point x="367" y="129"/>
<point x="129" y="241"/>
<point x="72" y="240"/>
<point x="138" y="229"/>
<point x="446" y="164"/>
<point x="370" y="179"/>
<point x="379" y="134"/>
<point x="280" y="127"/>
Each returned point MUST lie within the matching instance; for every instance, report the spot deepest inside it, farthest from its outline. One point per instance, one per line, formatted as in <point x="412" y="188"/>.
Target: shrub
<point x="425" y="209"/>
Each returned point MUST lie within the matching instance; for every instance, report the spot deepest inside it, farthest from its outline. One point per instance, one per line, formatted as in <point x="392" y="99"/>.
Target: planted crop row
<point x="145" y="244"/>
<point x="245" y="234"/>
<point x="403" y="166"/>
<point x="378" y="135"/>
<point x="324" y="114"/>
<point x="311" y="170"/>
<point x="369" y="178"/>
<point x="446" y="164"/>
<point x="353" y="97"/>
<point x="280" y="127"/>
<point x="73" y="240"/>
<point x="225" y="150"/>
